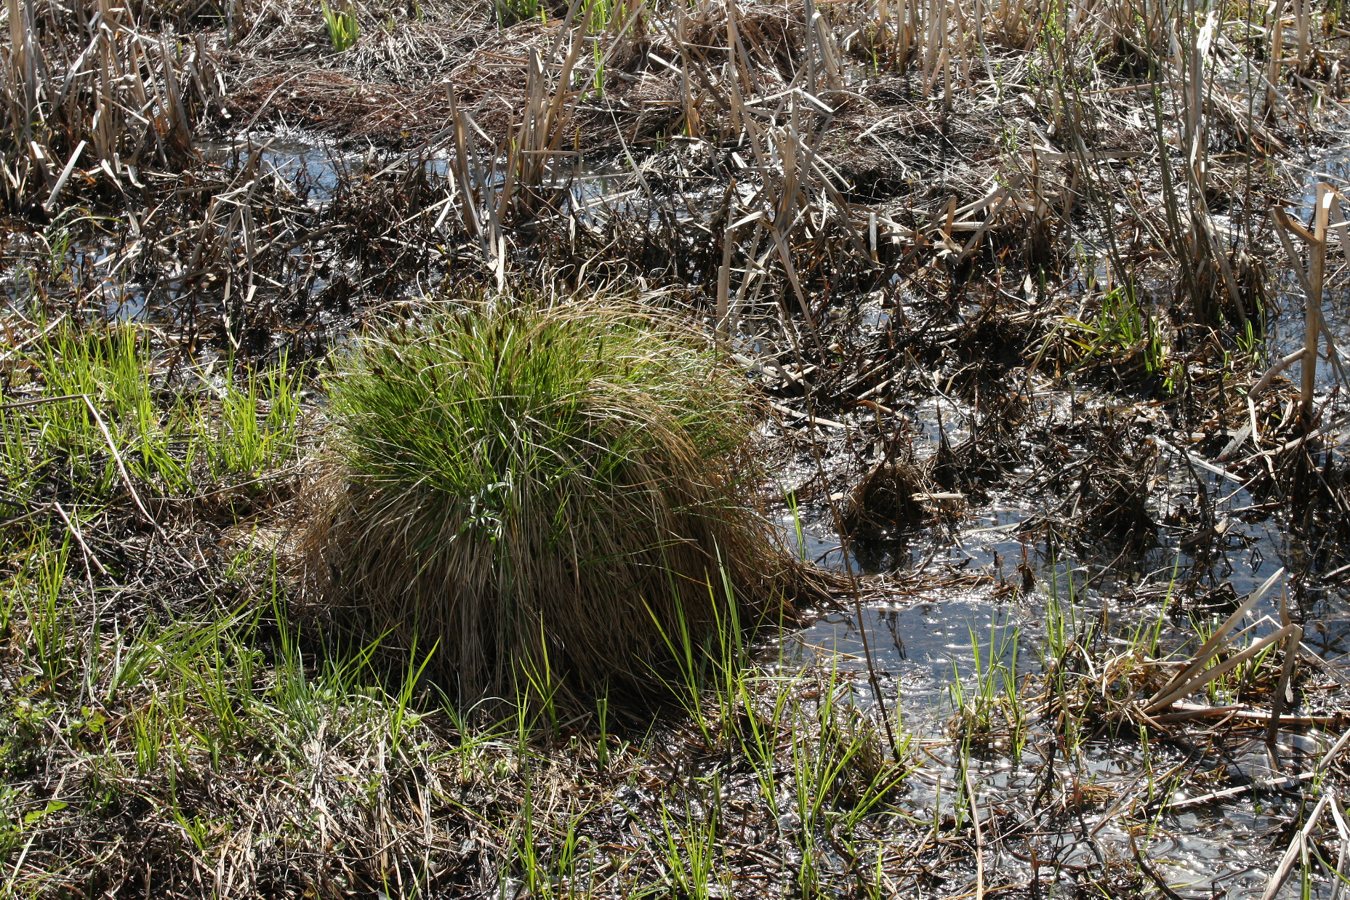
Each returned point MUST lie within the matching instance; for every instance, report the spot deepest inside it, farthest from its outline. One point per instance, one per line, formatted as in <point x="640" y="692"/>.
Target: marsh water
<point x="953" y="633"/>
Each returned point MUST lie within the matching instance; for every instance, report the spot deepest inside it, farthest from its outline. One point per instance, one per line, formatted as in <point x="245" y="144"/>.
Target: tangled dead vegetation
<point x="129" y="102"/>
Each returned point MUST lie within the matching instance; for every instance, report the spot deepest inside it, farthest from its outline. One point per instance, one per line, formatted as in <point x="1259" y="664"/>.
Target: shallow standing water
<point x="920" y="646"/>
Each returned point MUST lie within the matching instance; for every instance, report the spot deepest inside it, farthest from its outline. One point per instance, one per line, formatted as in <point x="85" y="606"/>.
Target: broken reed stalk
<point x="1195" y="676"/>
<point x="1298" y="847"/>
<point x="1273" y="99"/>
<point x="1328" y="219"/>
<point x="1312" y="333"/>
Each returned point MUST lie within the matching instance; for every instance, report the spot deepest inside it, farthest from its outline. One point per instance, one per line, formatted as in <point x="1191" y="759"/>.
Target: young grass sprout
<point x="342" y="25"/>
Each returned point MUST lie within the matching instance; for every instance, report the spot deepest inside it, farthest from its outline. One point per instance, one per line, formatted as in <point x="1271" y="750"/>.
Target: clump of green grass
<point x="537" y="496"/>
<point x="342" y="25"/>
<point x="86" y="406"/>
<point x="511" y="12"/>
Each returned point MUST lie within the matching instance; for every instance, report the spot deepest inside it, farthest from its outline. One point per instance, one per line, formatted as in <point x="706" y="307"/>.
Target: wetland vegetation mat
<point x="1040" y="309"/>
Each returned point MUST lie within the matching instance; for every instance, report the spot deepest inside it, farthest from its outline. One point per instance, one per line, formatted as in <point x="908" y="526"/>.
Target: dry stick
<point x="832" y="193"/>
<point x="1333" y="353"/>
<point x="1186" y="711"/>
<point x="1302" y="32"/>
<point x="1265" y="380"/>
<point x="753" y="272"/>
<point x="65" y="176"/>
<point x="533" y="97"/>
<point x="1331" y="754"/>
<point x="724" y="280"/>
<point x="1205" y="84"/>
<point x="1203" y="678"/>
<point x="121" y="467"/>
<point x="1338" y="226"/>
<point x="829" y="53"/>
<point x="1198" y="461"/>
<point x="990" y="219"/>
<point x="809" y="13"/>
<point x="86" y="556"/>
<point x="1282" y="693"/>
<point x="979" y="836"/>
<point x="1286" y="225"/>
<point x="462" y="136"/>
<point x="1344" y="831"/>
<point x="1152" y="873"/>
<point x="20" y="32"/>
<point x="1297" y="847"/>
<point x="1230" y="793"/>
<point x="79" y="539"/>
<point x="1169" y="189"/>
<point x="1273" y="97"/>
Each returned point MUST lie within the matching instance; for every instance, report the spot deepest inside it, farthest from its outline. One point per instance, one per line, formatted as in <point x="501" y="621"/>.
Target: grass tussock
<point x="546" y="492"/>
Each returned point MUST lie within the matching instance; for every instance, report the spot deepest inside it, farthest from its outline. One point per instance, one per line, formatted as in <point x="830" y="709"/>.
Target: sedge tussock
<point x="540" y="491"/>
